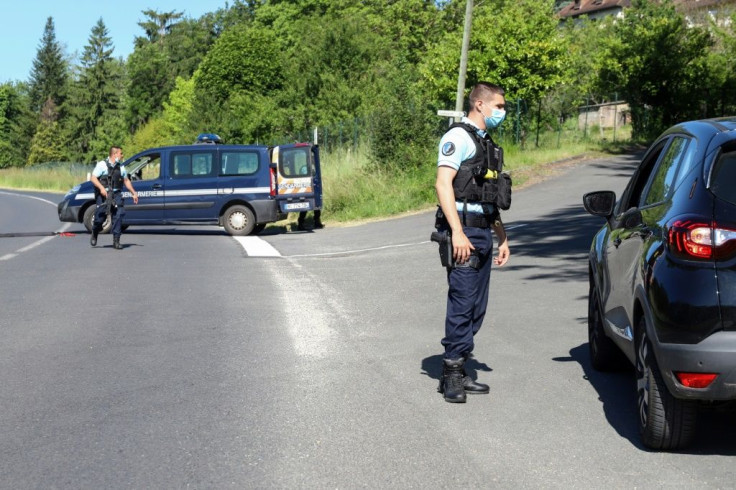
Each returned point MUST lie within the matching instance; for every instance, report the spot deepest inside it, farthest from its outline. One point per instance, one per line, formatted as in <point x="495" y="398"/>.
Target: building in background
<point x="594" y="9"/>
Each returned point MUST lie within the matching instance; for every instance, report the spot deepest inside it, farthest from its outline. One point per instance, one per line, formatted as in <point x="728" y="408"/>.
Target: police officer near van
<point x="109" y="177"/>
<point x="471" y="189"/>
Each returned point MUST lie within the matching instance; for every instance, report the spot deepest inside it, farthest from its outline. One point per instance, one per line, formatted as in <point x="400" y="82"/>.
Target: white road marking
<point x="37" y="242"/>
<point x="359" y="250"/>
<point x="257" y="247"/>
<point x="314" y="311"/>
<point x="28" y="197"/>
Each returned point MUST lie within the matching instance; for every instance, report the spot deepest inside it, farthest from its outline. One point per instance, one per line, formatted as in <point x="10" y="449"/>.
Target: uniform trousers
<point x="467" y="295"/>
<point x="118" y="212"/>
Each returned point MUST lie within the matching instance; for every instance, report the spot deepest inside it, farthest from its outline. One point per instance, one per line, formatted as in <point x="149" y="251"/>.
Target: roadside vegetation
<point x="368" y="77"/>
<point x="355" y="188"/>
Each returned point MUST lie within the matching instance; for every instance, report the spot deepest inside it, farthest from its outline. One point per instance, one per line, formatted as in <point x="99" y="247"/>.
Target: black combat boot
<point x="471" y="386"/>
<point x="93" y="238"/>
<point x="116" y="243"/>
<point x="451" y="382"/>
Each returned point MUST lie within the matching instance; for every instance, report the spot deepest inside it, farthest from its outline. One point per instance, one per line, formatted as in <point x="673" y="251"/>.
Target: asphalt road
<point x="182" y="362"/>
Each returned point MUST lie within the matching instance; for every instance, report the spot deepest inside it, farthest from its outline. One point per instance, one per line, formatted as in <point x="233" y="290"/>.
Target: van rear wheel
<point x="239" y="220"/>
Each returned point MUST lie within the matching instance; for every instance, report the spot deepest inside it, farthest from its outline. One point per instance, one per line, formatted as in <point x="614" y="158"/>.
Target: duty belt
<point x="476" y="220"/>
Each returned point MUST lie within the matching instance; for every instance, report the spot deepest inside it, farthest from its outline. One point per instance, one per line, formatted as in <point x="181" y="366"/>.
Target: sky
<point x="22" y="24"/>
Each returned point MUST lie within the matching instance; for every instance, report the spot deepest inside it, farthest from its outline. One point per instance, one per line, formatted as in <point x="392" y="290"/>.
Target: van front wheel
<point x="239" y="220"/>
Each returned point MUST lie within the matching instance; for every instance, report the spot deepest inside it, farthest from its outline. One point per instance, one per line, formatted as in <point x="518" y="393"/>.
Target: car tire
<point x="239" y="220"/>
<point x="604" y="354"/>
<point x="88" y="219"/>
<point x="665" y="422"/>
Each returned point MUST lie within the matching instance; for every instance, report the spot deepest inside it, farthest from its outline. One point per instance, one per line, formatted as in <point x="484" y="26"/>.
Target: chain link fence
<point x="536" y="124"/>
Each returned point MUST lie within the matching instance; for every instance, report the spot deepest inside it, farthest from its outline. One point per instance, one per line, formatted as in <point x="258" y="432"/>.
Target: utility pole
<point x="464" y="56"/>
<point x="458" y="113"/>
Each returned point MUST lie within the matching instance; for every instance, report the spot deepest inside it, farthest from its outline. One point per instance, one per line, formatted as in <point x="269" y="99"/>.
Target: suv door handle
<point x="156" y="186"/>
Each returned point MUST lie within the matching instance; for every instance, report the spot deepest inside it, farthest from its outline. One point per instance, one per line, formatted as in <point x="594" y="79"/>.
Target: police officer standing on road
<point x="317" y="220"/>
<point x="466" y="187"/>
<point x="109" y="175"/>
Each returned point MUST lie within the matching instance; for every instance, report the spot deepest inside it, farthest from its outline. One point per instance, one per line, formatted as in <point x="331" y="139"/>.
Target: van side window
<point x="239" y="163"/>
<point x="189" y="165"/>
<point x="295" y="162"/>
<point x="146" y="167"/>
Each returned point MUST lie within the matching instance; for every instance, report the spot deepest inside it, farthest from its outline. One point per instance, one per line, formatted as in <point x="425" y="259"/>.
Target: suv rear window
<point x="723" y="179"/>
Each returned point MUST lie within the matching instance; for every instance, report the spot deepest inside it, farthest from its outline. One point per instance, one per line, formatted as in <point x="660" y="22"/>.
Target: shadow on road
<point x="564" y="235"/>
<point x="716" y="432"/>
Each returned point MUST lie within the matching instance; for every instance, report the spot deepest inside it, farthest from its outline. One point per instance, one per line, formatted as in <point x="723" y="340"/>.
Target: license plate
<point x="297" y="205"/>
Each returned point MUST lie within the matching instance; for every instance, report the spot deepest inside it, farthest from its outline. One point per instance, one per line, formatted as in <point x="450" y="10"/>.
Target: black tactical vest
<point x="477" y="179"/>
<point x="114" y="177"/>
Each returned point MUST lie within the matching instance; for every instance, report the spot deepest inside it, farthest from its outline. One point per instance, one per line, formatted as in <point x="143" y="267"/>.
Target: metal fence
<point x="526" y="125"/>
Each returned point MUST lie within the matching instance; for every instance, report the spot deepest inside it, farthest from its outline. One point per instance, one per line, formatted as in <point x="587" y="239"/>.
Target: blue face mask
<point x="497" y="117"/>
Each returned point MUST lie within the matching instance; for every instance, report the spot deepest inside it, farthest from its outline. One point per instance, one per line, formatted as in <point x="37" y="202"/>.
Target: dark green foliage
<point x="244" y="59"/>
<point x="272" y="70"/>
<point x="169" y="50"/>
<point x="49" y="73"/>
<point x="47" y="144"/>
<point x="658" y="63"/>
<point x="159" y="24"/>
<point x="94" y="99"/>
<point x="16" y="124"/>
<point x="402" y="126"/>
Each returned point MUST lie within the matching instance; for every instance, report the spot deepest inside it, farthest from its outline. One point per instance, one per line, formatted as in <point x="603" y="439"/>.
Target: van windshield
<point x="295" y="162"/>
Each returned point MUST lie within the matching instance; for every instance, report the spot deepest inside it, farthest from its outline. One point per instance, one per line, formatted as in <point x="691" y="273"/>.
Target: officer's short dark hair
<point x="114" y="147"/>
<point x="482" y="90"/>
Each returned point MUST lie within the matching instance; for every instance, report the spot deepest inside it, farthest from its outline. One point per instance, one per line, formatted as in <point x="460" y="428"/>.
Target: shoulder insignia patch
<point x="448" y="148"/>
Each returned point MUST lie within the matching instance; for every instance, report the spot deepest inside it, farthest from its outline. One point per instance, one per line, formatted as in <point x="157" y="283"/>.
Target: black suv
<point x="663" y="278"/>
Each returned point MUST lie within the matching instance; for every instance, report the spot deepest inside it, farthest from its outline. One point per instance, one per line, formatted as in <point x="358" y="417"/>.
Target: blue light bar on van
<point x="208" y="139"/>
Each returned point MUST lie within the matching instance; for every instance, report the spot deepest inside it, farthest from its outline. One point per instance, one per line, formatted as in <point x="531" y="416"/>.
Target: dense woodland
<point x="270" y="70"/>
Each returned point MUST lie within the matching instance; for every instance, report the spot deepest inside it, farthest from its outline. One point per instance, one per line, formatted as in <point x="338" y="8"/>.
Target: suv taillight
<point x="273" y="182"/>
<point x="701" y="239"/>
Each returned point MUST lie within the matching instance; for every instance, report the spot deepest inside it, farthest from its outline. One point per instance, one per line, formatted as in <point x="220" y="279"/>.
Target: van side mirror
<point x="600" y="203"/>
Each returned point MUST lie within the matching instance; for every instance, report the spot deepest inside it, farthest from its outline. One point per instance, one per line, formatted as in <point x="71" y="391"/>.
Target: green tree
<point x="95" y="95"/>
<point x="720" y="89"/>
<point x="657" y="62"/>
<point x="47" y="144"/>
<point x="16" y="124"/>
<point x="149" y="83"/>
<point x="245" y="58"/>
<point x="515" y="44"/>
<point x="169" y="50"/>
<point x="49" y="73"/>
<point x="159" y="24"/>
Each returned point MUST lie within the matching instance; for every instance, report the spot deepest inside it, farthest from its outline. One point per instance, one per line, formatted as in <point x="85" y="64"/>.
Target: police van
<point x="239" y="187"/>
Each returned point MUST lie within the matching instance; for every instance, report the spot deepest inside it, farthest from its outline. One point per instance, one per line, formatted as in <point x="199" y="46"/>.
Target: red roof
<point x="583" y="7"/>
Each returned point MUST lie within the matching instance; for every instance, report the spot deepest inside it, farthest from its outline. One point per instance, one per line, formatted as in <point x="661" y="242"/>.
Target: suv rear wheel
<point x="239" y="220"/>
<point x="665" y="422"/>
